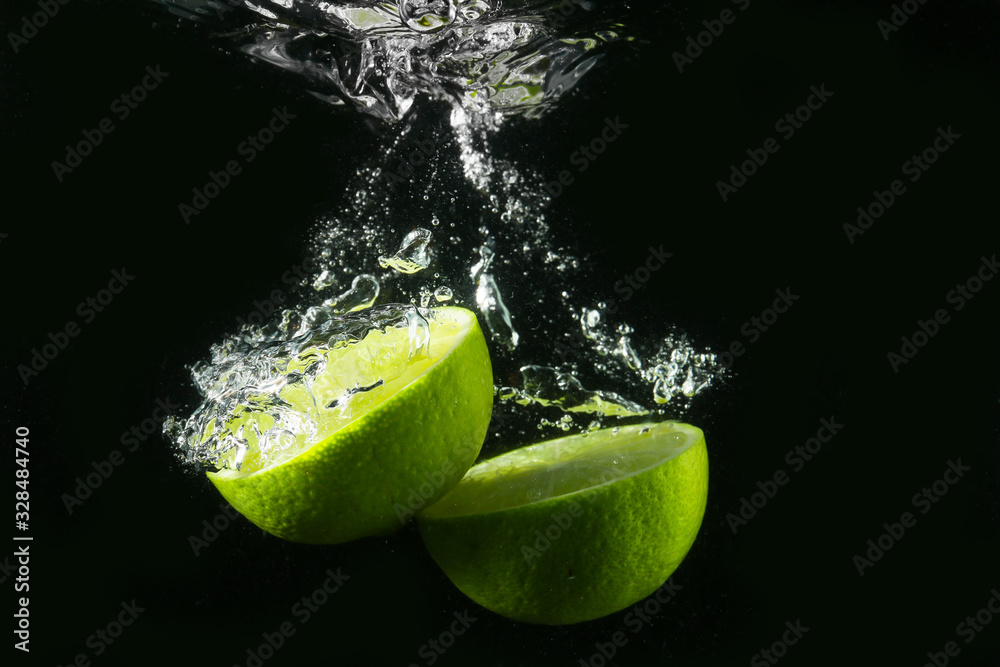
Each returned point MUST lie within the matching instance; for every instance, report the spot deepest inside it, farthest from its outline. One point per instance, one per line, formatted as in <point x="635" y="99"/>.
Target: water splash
<point x="548" y="386"/>
<point x="265" y="402"/>
<point x="493" y="247"/>
<point x="515" y="58"/>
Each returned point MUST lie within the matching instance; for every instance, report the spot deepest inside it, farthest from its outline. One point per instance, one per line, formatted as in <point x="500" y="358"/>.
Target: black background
<point x="825" y="358"/>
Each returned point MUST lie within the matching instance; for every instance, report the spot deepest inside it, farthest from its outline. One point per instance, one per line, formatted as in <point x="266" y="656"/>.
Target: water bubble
<point x="427" y="16"/>
<point x="564" y="423"/>
<point x="494" y="310"/>
<point x="425" y="296"/>
<point x="419" y="334"/>
<point x="364" y="290"/>
<point x="486" y="255"/>
<point x="323" y="280"/>
<point x="548" y="386"/>
<point x="632" y="359"/>
<point x="413" y="254"/>
<point x="470" y="10"/>
<point x="443" y="293"/>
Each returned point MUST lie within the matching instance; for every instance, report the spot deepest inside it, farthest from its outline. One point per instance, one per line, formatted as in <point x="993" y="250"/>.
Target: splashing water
<point x="483" y="55"/>
<point x="548" y="386"/>
<point x="460" y="226"/>
<point x="265" y="402"/>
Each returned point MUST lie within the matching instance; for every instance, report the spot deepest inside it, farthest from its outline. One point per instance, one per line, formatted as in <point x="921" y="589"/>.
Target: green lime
<point x="575" y="528"/>
<point x="405" y="440"/>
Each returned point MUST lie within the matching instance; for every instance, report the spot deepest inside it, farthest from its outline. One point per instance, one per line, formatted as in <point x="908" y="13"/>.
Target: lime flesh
<point x="575" y="528"/>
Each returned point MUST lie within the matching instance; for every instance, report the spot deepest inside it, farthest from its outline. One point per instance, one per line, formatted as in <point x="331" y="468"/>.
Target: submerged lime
<point x="575" y="528"/>
<point x="413" y="433"/>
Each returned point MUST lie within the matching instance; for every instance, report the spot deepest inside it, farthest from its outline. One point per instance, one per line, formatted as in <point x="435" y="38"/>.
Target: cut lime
<point x="395" y="421"/>
<point x="575" y="528"/>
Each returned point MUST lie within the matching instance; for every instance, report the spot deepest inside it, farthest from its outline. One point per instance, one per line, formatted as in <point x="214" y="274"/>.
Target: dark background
<point x="825" y="358"/>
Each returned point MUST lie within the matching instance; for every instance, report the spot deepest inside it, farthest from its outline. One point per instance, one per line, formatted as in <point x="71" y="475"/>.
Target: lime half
<point x="394" y="429"/>
<point x="575" y="528"/>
